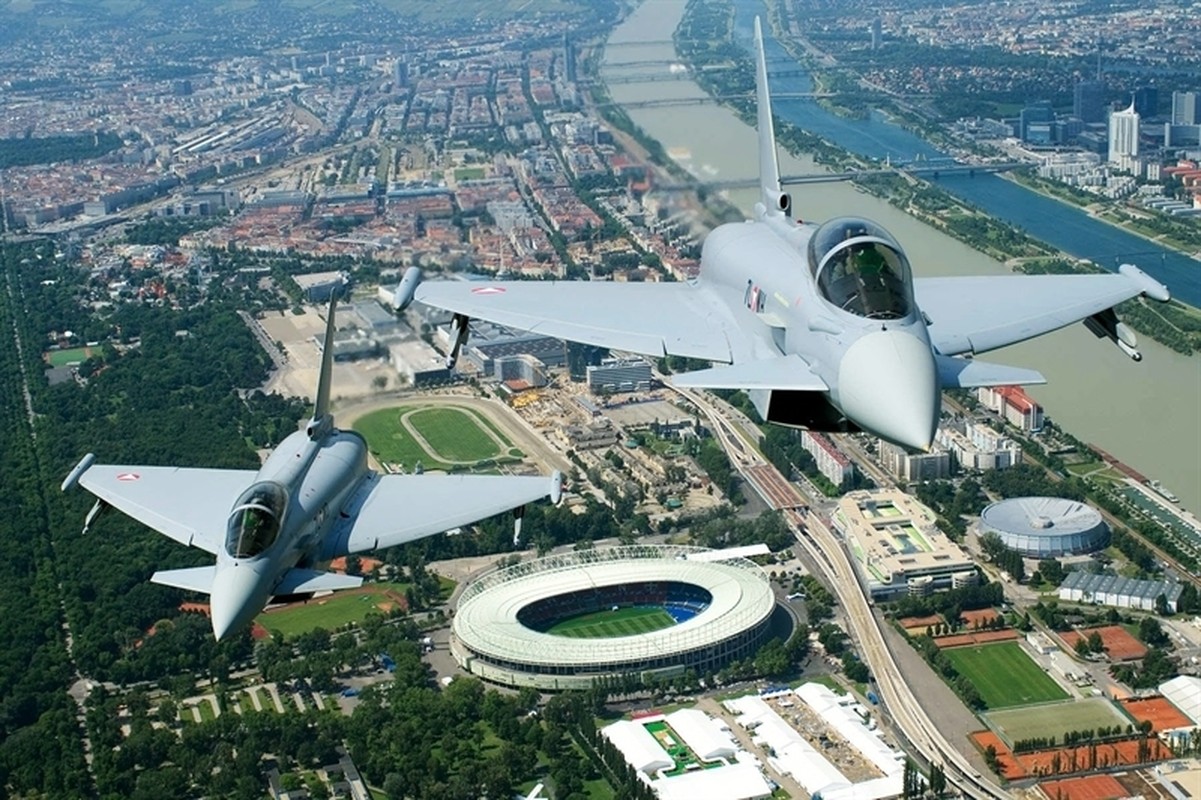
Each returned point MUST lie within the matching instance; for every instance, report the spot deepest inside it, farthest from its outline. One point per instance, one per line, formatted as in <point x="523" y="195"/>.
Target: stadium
<point x="1045" y="527"/>
<point x="647" y="609"/>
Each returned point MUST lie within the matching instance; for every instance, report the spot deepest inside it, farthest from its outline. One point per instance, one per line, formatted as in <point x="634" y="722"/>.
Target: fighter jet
<point x="313" y="499"/>
<point x="824" y="326"/>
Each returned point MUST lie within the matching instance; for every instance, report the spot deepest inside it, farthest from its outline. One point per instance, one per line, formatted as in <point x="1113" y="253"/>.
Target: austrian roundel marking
<point x="128" y="476"/>
<point x="489" y="290"/>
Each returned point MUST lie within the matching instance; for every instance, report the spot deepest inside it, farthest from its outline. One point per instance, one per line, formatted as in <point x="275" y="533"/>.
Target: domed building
<point x="1046" y="527"/>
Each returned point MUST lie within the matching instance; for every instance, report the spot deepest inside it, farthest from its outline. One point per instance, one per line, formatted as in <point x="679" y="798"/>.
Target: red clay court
<point x="980" y="616"/>
<point x="1109" y="754"/>
<point x="1119" y="645"/>
<point x="1044" y="762"/>
<point x="1010" y="770"/>
<point x="1090" y="787"/>
<point x="1163" y="715"/>
<point x="982" y="637"/>
<point x="916" y="626"/>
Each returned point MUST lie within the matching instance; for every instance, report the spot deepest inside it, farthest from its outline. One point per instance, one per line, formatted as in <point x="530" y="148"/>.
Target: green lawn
<point x="61" y="358"/>
<point x="332" y="611"/>
<point x="469" y="173"/>
<point x="1055" y="719"/>
<point x="1004" y="675"/>
<point x="609" y="624"/>
<point x="454" y="434"/>
<point x="455" y="437"/>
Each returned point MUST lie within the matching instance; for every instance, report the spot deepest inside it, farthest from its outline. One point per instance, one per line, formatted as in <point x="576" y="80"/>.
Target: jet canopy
<point x="255" y="521"/>
<point x="860" y="268"/>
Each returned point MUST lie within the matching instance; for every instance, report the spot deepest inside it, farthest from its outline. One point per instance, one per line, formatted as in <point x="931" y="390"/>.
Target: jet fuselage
<point x="877" y="360"/>
<point x="317" y="478"/>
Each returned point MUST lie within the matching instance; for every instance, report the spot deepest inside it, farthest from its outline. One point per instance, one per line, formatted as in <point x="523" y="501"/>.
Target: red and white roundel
<point x="128" y="476"/>
<point x="489" y="290"/>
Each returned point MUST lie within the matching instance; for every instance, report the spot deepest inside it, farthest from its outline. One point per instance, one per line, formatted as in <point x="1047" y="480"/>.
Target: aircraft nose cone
<point x="888" y="385"/>
<point x="234" y="600"/>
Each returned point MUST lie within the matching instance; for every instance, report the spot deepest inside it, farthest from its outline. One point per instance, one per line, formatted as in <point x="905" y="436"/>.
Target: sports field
<point x="440" y="437"/>
<point x="61" y="358"/>
<point x="1004" y="675"/>
<point x="610" y="624"/>
<point x="1055" y="719"/>
<point x="335" y="610"/>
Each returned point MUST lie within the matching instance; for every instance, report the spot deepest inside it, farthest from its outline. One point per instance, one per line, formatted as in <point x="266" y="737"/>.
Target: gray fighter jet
<point x="313" y="499"/>
<point x="823" y="325"/>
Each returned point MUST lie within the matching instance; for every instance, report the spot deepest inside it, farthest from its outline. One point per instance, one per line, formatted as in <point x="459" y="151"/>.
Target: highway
<point x="825" y="549"/>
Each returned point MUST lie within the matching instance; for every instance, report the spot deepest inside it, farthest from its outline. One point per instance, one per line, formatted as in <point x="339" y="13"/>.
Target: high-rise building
<point x="1039" y="115"/>
<point x="569" y="58"/>
<point x="400" y="73"/>
<point x="1184" y="108"/>
<point x="876" y="34"/>
<point x="1088" y="101"/>
<point x="1146" y="101"/>
<point x="1123" y="137"/>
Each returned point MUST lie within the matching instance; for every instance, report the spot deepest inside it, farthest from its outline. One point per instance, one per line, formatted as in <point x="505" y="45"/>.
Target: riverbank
<point x="1144" y="414"/>
<point x="926" y="200"/>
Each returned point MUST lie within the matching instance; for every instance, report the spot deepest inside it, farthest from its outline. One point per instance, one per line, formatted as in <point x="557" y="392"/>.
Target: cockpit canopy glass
<point x="256" y="519"/>
<point x="860" y="268"/>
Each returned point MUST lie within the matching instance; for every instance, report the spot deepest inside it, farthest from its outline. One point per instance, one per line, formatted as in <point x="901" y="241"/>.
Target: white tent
<point x="640" y="749"/>
<point x="1184" y="692"/>
<point x="704" y="735"/>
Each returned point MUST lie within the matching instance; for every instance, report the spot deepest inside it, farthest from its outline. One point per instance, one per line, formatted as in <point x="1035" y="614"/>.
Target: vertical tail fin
<point x="769" y="171"/>
<point x="322" y="422"/>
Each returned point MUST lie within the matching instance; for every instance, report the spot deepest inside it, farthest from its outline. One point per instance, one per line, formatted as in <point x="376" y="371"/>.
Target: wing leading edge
<point x="187" y="504"/>
<point x="981" y="313"/>
<point x="653" y="319"/>
<point x="394" y="509"/>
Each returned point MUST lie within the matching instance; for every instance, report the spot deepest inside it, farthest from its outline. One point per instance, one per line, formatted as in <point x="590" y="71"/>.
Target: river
<point x="1147" y="414"/>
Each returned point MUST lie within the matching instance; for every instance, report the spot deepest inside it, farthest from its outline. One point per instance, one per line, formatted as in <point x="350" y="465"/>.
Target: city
<point x="718" y="606"/>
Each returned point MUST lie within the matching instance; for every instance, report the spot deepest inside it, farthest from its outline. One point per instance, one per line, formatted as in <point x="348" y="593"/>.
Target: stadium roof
<point x="1041" y="516"/>
<point x="1184" y="692"/>
<point x="731" y="552"/>
<point x="486" y="618"/>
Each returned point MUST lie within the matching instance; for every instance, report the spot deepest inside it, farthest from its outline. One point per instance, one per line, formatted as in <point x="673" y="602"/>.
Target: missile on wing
<point x="1105" y="325"/>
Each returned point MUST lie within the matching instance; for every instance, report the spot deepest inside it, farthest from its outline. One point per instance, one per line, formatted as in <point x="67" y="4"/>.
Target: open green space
<point x="469" y="173"/>
<point x="1055" y="719"/>
<point x="1004" y="675"/>
<point x="609" y="624"/>
<point x="454" y="434"/>
<point x="680" y="753"/>
<point x="332" y="611"/>
<point x="61" y="358"/>
<point x="453" y="437"/>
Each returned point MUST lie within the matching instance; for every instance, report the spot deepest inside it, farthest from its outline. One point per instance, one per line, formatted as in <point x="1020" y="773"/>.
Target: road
<point x="908" y="715"/>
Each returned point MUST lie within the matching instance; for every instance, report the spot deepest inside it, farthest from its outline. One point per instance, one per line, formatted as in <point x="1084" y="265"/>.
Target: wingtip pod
<point x="403" y="297"/>
<point x="72" y="479"/>
<point x="556" y="487"/>
<point x="1146" y="284"/>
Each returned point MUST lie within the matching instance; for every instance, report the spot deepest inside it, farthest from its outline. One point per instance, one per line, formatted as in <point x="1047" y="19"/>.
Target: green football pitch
<point x="1055" y="719"/>
<point x="1004" y="675"/>
<point x="610" y="624"/>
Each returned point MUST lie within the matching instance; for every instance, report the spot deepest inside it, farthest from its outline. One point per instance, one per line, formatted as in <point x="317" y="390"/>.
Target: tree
<point x="1051" y="570"/>
<point x="990" y="758"/>
<point x="1151" y="632"/>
